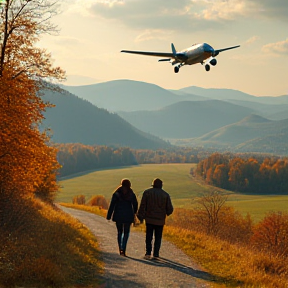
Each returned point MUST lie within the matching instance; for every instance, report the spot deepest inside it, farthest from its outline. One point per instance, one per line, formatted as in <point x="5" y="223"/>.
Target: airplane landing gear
<point x="207" y="67"/>
<point x="176" y="69"/>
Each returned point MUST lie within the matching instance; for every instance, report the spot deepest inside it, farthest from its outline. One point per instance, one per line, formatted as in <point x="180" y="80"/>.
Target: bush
<point x="79" y="199"/>
<point x="271" y="234"/>
<point x="98" y="200"/>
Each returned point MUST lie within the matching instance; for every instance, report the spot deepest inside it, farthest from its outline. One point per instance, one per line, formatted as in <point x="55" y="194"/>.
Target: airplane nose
<point x="208" y="48"/>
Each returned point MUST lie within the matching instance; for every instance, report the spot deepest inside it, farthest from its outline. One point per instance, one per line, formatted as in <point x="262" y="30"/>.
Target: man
<point x="154" y="207"/>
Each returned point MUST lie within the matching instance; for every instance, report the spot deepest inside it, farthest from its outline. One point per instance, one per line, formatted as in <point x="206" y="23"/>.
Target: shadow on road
<point x="183" y="269"/>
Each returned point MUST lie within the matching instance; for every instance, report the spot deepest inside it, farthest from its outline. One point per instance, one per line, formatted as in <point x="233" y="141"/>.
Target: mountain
<point x="219" y="94"/>
<point x="230" y="94"/>
<point x="75" y="120"/>
<point x="128" y="95"/>
<point x="187" y="119"/>
<point x="250" y="134"/>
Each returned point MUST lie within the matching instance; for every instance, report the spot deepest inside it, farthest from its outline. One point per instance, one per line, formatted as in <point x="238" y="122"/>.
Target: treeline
<point x="75" y="158"/>
<point x="78" y="157"/>
<point x="268" y="175"/>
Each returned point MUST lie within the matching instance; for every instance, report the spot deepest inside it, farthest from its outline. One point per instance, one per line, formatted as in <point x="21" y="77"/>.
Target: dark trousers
<point x="157" y="231"/>
<point x="123" y="230"/>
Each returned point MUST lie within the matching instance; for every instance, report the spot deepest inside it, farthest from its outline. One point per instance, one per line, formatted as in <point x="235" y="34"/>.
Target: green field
<point x="177" y="181"/>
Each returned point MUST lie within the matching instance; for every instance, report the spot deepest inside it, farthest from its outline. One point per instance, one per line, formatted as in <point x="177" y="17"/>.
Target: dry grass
<point x="41" y="246"/>
<point x="92" y="209"/>
<point x="232" y="265"/>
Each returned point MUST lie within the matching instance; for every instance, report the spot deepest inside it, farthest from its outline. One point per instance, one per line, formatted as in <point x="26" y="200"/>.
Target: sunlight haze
<point x="93" y="32"/>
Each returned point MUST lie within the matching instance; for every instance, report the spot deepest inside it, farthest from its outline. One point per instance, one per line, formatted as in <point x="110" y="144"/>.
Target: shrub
<point x="98" y="200"/>
<point x="271" y="234"/>
<point x="79" y="199"/>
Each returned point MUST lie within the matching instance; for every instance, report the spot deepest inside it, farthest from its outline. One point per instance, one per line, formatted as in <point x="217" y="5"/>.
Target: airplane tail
<point x="173" y="49"/>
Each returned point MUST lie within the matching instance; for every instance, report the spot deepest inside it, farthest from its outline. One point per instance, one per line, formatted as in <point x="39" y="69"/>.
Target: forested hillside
<point x="74" y="120"/>
<point x="187" y="119"/>
<point x="245" y="175"/>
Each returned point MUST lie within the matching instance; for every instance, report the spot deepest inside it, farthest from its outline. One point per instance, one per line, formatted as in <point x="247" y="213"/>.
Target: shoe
<point x="147" y="257"/>
<point x="156" y="257"/>
<point x="122" y="253"/>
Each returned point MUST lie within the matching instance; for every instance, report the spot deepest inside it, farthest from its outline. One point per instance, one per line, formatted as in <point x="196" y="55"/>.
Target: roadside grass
<point x="178" y="182"/>
<point x="92" y="209"/>
<point x="41" y="246"/>
<point x="234" y="266"/>
<point x="231" y="265"/>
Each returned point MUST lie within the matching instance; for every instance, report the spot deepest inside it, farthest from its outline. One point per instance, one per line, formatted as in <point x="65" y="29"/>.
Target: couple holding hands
<point x="154" y="207"/>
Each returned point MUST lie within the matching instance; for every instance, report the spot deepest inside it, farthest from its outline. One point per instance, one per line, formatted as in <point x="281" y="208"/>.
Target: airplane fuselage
<point x="197" y="53"/>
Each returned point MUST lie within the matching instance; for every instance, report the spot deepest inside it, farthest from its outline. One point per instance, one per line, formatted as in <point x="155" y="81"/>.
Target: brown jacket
<point x="155" y="205"/>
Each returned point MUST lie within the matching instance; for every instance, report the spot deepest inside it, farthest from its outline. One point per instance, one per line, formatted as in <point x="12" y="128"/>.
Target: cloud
<point x="184" y="15"/>
<point x="225" y="9"/>
<point x="252" y="40"/>
<point x="67" y="41"/>
<point x="154" y="15"/>
<point x="153" y="34"/>
<point x="274" y="9"/>
<point x="279" y="48"/>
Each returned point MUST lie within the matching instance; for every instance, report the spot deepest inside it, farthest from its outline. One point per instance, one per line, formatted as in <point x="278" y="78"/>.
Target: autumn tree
<point x="211" y="204"/>
<point x="27" y="160"/>
<point x="271" y="234"/>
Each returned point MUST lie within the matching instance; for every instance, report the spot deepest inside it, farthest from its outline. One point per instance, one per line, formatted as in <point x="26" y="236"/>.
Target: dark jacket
<point x="123" y="206"/>
<point x="155" y="205"/>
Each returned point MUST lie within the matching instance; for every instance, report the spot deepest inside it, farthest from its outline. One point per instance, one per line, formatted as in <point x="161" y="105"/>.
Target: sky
<point x="93" y="32"/>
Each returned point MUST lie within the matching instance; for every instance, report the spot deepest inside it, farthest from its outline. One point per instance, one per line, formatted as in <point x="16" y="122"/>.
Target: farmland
<point x="177" y="181"/>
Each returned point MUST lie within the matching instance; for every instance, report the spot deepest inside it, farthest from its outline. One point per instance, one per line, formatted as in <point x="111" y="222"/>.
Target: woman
<point x="123" y="206"/>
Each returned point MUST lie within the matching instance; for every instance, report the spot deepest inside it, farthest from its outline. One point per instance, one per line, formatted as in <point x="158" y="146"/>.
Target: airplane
<point x="197" y="53"/>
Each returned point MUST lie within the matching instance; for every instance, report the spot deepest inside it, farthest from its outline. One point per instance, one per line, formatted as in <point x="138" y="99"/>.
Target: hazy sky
<point x="93" y="32"/>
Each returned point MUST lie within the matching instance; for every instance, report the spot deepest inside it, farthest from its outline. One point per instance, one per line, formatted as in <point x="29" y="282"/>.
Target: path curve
<point x="175" y="269"/>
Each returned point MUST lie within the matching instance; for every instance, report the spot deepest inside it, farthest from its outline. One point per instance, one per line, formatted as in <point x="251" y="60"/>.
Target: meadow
<point x="177" y="181"/>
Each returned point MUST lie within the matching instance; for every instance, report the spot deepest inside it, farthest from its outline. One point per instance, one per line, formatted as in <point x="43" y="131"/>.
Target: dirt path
<point x="175" y="269"/>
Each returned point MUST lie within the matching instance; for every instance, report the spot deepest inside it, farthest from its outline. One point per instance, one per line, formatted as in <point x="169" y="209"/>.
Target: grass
<point x="178" y="182"/>
<point x="41" y="246"/>
<point x="230" y="265"/>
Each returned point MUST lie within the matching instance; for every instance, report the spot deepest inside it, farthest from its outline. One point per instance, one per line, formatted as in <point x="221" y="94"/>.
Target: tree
<point x="271" y="234"/>
<point x="211" y="205"/>
<point x="27" y="160"/>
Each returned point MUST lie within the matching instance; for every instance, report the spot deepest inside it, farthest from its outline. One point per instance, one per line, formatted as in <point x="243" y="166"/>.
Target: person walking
<point x="154" y="207"/>
<point x="123" y="206"/>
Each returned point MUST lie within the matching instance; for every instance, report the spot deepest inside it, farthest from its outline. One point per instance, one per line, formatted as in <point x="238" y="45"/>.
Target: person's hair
<point x="126" y="183"/>
<point x="157" y="183"/>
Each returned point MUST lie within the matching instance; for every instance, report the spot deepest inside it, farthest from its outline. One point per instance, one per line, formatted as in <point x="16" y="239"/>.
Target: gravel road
<point x="174" y="269"/>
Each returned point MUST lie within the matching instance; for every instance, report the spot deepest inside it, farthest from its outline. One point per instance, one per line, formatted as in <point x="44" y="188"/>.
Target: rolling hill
<point x="75" y="120"/>
<point x="253" y="133"/>
<point x="187" y="119"/>
<point x="230" y="94"/>
<point x="128" y="95"/>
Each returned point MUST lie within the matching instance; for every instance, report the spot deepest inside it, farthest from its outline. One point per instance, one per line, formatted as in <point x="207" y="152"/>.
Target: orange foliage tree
<point x="27" y="162"/>
<point x="271" y="234"/>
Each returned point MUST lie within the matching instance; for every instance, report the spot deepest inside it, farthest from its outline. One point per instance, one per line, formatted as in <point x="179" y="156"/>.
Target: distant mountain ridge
<point x="187" y="119"/>
<point x="193" y="115"/>
<point x="75" y="120"/>
<point x="250" y="132"/>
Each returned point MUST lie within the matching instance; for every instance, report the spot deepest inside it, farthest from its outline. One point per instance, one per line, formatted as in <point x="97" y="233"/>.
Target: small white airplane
<point x="197" y="53"/>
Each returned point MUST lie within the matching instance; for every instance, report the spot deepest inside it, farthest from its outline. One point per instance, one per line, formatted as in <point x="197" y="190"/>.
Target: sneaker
<point x="147" y="257"/>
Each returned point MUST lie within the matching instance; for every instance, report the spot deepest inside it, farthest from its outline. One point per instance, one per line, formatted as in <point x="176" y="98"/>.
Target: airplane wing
<point x="216" y="52"/>
<point x="178" y="56"/>
<point x="157" y="54"/>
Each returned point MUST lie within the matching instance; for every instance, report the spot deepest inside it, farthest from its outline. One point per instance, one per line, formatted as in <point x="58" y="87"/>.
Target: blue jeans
<point x="157" y="231"/>
<point x="123" y="234"/>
